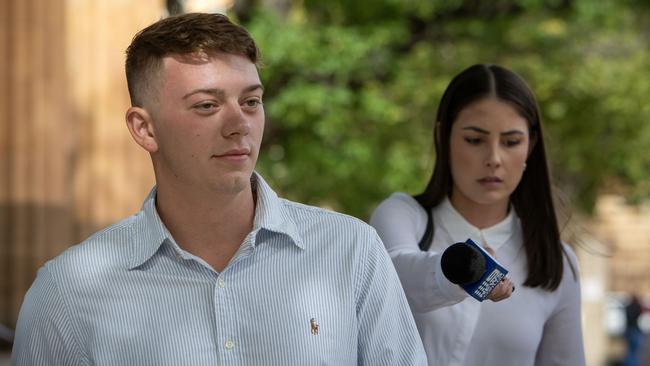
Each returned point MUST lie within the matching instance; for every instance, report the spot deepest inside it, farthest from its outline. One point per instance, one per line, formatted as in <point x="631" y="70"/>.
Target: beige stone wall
<point x="67" y="163"/>
<point x="626" y="231"/>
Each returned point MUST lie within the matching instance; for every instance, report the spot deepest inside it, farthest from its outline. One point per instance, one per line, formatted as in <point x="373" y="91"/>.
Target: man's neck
<point x="209" y="225"/>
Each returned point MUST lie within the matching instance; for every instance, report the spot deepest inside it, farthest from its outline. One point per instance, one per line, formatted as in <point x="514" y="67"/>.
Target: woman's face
<point x="489" y="145"/>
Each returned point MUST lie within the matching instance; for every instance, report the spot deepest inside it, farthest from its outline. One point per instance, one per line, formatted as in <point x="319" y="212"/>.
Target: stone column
<point x="67" y="163"/>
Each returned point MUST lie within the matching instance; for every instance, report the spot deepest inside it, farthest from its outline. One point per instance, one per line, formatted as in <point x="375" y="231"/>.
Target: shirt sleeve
<point x="387" y="331"/>
<point x="44" y="334"/>
<point x="562" y="343"/>
<point x="400" y="224"/>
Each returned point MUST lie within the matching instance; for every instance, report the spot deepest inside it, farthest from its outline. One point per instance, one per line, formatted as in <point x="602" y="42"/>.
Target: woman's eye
<point x="511" y="143"/>
<point x="473" y="140"/>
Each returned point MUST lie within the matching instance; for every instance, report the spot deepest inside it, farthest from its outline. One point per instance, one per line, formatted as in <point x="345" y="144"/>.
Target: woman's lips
<point x="490" y="179"/>
<point x="490" y="182"/>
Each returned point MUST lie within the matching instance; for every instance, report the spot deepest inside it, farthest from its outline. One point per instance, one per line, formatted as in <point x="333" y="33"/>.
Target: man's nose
<point x="235" y="121"/>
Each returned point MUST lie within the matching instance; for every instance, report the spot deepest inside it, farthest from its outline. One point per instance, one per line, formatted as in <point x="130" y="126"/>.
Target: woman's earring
<point x="524" y="166"/>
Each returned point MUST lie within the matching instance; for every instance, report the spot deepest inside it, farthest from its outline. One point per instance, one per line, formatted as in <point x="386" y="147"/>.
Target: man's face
<point x="208" y="120"/>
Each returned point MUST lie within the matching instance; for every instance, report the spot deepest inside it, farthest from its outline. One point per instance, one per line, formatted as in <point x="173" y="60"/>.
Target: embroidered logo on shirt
<point x="314" y="326"/>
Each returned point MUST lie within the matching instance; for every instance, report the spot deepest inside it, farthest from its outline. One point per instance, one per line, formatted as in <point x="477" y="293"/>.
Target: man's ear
<point x="140" y="124"/>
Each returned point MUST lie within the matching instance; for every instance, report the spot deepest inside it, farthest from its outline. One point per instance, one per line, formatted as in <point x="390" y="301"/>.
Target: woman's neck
<point x="480" y="215"/>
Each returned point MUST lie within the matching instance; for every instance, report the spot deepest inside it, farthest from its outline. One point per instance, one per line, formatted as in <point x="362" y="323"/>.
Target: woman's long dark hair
<point x="532" y="199"/>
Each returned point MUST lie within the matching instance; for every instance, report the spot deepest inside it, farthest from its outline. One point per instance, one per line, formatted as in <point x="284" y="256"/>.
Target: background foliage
<point x="352" y="89"/>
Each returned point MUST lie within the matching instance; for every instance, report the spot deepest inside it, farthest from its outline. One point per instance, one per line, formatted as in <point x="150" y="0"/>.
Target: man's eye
<point x="252" y="103"/>
<point x="205" y="106"/>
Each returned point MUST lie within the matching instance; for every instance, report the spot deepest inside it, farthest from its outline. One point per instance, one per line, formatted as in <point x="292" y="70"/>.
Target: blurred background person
<point x="6" y="337"/>
<point x="634" y="337"/>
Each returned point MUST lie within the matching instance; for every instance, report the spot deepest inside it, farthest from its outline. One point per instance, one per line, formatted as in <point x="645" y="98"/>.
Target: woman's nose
<point x="493" y="159"/>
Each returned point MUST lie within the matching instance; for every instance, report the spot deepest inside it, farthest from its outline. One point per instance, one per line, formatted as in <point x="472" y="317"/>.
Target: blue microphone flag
<point x="494" y="273"/>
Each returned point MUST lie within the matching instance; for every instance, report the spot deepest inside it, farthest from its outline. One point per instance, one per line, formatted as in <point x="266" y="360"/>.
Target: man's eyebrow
<point x="485" y="132"/>
<point x="253" y="88"/>
<point x="220" y="92"/>
<point x="214" y="91"/>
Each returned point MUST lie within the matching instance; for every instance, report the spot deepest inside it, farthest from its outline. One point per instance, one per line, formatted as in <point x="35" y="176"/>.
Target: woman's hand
<point x="504" y="289"/>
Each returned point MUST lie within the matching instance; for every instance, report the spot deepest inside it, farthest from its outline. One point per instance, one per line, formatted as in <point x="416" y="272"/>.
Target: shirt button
<point x="229" y="344"/>
<point x="221" y="283"/>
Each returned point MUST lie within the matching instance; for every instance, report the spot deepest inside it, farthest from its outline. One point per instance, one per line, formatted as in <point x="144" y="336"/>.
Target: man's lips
<point x="234" y="154"/>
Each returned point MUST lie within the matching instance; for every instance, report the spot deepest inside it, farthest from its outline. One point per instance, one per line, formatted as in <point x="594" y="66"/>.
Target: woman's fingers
<point x="502" y="291"/>
<point x="505" y="288"/>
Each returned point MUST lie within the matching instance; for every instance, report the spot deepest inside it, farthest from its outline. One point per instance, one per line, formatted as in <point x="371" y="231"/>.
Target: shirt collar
<point x="460" y="230"/>
<point x="270" y="214"/>
<point x="149" y="232"/>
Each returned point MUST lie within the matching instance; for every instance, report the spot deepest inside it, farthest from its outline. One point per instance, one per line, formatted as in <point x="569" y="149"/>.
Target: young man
<point x="215" y="269"/>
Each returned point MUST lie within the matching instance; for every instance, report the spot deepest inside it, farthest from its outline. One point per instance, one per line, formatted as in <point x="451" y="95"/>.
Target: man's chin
<point x="234" y="183"/>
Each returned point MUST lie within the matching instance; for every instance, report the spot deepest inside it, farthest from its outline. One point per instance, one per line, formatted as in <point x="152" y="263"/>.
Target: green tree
<point x="352" y="90"/>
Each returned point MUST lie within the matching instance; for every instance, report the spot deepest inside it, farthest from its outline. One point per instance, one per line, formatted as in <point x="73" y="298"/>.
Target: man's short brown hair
<point x="182" y="34"/>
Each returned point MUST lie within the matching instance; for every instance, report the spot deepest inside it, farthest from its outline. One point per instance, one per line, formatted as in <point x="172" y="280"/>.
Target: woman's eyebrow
<point x="485" y="132"/>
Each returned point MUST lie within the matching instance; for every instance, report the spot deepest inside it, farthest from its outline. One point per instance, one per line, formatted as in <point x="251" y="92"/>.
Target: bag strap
<point x="427" y="238"/>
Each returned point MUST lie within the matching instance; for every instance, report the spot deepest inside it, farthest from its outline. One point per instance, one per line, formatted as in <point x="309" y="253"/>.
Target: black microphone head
<point x="462" y="264"/>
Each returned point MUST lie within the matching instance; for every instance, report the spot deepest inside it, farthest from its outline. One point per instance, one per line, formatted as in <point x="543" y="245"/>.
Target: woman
<point x="490" y="183"/>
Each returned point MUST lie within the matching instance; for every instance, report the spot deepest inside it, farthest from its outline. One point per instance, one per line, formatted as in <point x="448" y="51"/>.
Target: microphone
<point x="462" y="264"/>
<point x="472" y="268"/>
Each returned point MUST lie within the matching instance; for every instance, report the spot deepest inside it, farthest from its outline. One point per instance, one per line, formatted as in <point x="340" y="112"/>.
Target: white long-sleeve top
<point x="532" y="327"/>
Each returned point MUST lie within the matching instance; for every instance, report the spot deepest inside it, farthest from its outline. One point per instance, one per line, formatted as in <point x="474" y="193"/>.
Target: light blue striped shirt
<point x="129" y="295"/>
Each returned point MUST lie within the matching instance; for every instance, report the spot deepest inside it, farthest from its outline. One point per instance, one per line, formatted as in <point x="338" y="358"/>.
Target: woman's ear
<point x="140" y="125"/>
